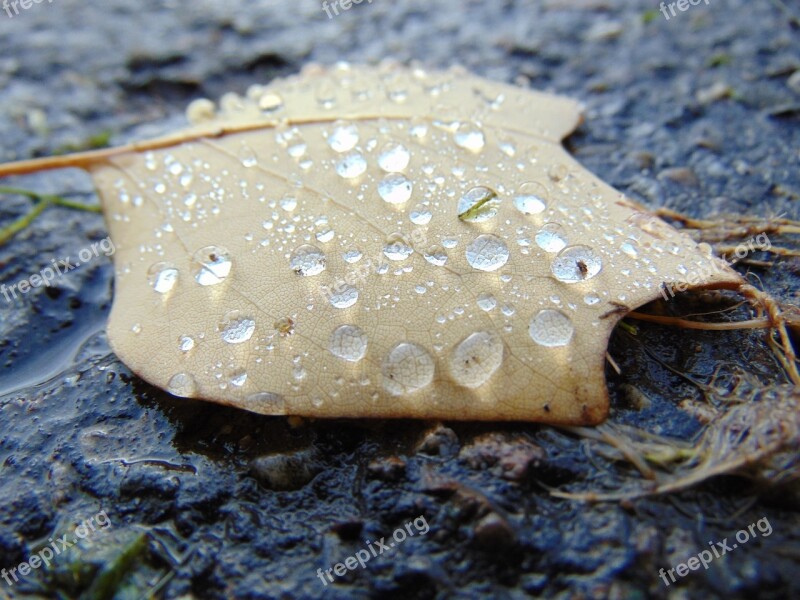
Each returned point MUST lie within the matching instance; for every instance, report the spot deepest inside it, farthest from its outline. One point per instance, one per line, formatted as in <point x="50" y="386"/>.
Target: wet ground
<point x="698" y="113"/>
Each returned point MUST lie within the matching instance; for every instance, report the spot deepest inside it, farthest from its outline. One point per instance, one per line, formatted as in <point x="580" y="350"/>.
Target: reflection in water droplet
<point x="162" y="277"/>
<point x="236" y="329"/>
<point x="351" y="166"/>
<point x="436" y="256"/>
<point x="397" y="248"/>
<point x="183" y="385"/>
<point x="486" y="301"/>
<point x="476" y="359"/>
<point x="393" y="158"/>
<point x="215" y="264"/>
<point x="266" y="403"/>
<point x="343" y="296"/>
<point x="307" y="260"/>
<point x="344" y="137"/>
<point x="551" y="328"/>
<point x="395" y="188"/>
<point x="576" y="263"/>
<point x="478" y="204"/>
<point x="487" y="253"/>
<point x="551" y="237"/>
<point x="531" y="198"/>
<point x="406" y="369"/>
<point x="348" y="342"/>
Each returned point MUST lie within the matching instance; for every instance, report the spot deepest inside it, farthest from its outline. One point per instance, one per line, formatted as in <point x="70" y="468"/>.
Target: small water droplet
<point x="288" y="203"/>
<point x="436" y="256"/>
<point x="349" y="343"/>
<point x="591" y="299"/>
<point x="469" y="137"/>
<point x="352" y="256"/>
<point x="397" y="248"/>
<point x="236" y="329"/>
<point x="551" y="328"/>
<point x="394" y="157"/>
<point x="629" y="248"/>
<point x="395" y="188"/>
<point x="307" y="260"/>
<point x="478" y="204"/>
<point x="325" y="236"/>
<point x="162" y="277"/>
<point x="182" y="385"/>
<point x="486" y="301"/>
<point x="344" y="137"/>
<point x="487" y="253"/>
<point x="214" y="265"/>
<point x="576" y="263"/>
<point x="531" y="198"/>
<point x="248" y="156"/>
<point x="343" y="296"/>
<point x="238" y="377"/>
<point x="270" y="102"/>
<point x="476" y="358"/>
<point x="351" y="166"/>
<point x="406" y="369"/>
<point x="551" y="238"/>
<point x="185" y="343"/>
<point x="420" y="215"/>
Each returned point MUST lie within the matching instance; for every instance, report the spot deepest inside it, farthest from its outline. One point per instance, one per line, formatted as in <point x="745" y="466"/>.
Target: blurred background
<point x="697" y="112"/>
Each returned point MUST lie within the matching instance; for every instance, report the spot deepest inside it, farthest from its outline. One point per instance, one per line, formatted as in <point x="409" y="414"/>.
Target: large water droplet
<point x="351" y="166"/>
<point x="551" y="328"/>
<point x="215" y="264"/>
<point x="551" y="237"/>
<point x="266" y="403"/>
<point x="531" y="198"/>
<point x="307" y="260"/>
<point x="487" y="253"/>
<point x="406" y="369"/>
<point x="397" y="248"/>
<point x="476" y="359"/>
<point x="162" y="277"/>
<point x="236" y="329"/>
<point x="183" y="385"/>
<point x="576" y="263"/>
<point x="393" y="158"/>
<point x="343" y="296"/>
<point x="348" y="342"/>
<point x="395" y="188"/>
<point x="344" y="137"/>
<point x="478" y="204"/>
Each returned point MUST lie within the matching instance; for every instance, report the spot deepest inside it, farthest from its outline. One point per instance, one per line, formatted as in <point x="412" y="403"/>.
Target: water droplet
<point x="478" y="204"/>
<point x="266" y="403"/>
<point x="248" y="156"/>
<point x="270" y="102"/>
<point x="591" y="299"/>
<point x="352" y="165"/>
<point x="629" y="248"/>
<point x="393" y="157"/>
<point x="288" y="203"/>
<point x="397" y="248"/>
<point x="420" y="215"/>
<point x="344" y="137"/>
<point x="406" y="369"/>
<point x="436" y="256"/>
<point x="487" y="253"/>
<point x="469" y="137"/>
<point x="325" y="236"/>
<point x="182" y="385"/>
<point x="531" y="198"/>
<point x="486" y="301"/>
<point x="348" y="342"/>
<point x="236" y="329"/>
<point x="162" y="277"/>
<point x="238" y="377"/>
<point x="551" y="237"/>
<point x="395" y="188"/>
<point x="344" y="296"/>
<point x="185" y="343"/>
<point x="352" y="256"/>
<point x="307" y="260"/>
<point x="215" y="265"/>
<point x="476" y="358"/>
<point x="576" y="263"/>
<point x="551" y="328"/>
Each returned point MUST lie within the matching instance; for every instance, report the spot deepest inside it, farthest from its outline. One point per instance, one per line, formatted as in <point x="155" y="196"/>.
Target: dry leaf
<point x="379" y="242"/>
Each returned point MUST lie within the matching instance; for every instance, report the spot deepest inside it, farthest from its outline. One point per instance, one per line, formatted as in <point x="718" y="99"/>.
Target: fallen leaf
<point x="379" y="242"/>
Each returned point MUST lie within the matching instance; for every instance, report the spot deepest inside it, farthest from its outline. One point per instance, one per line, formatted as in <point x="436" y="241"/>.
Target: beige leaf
<point x="379" y="242"/>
